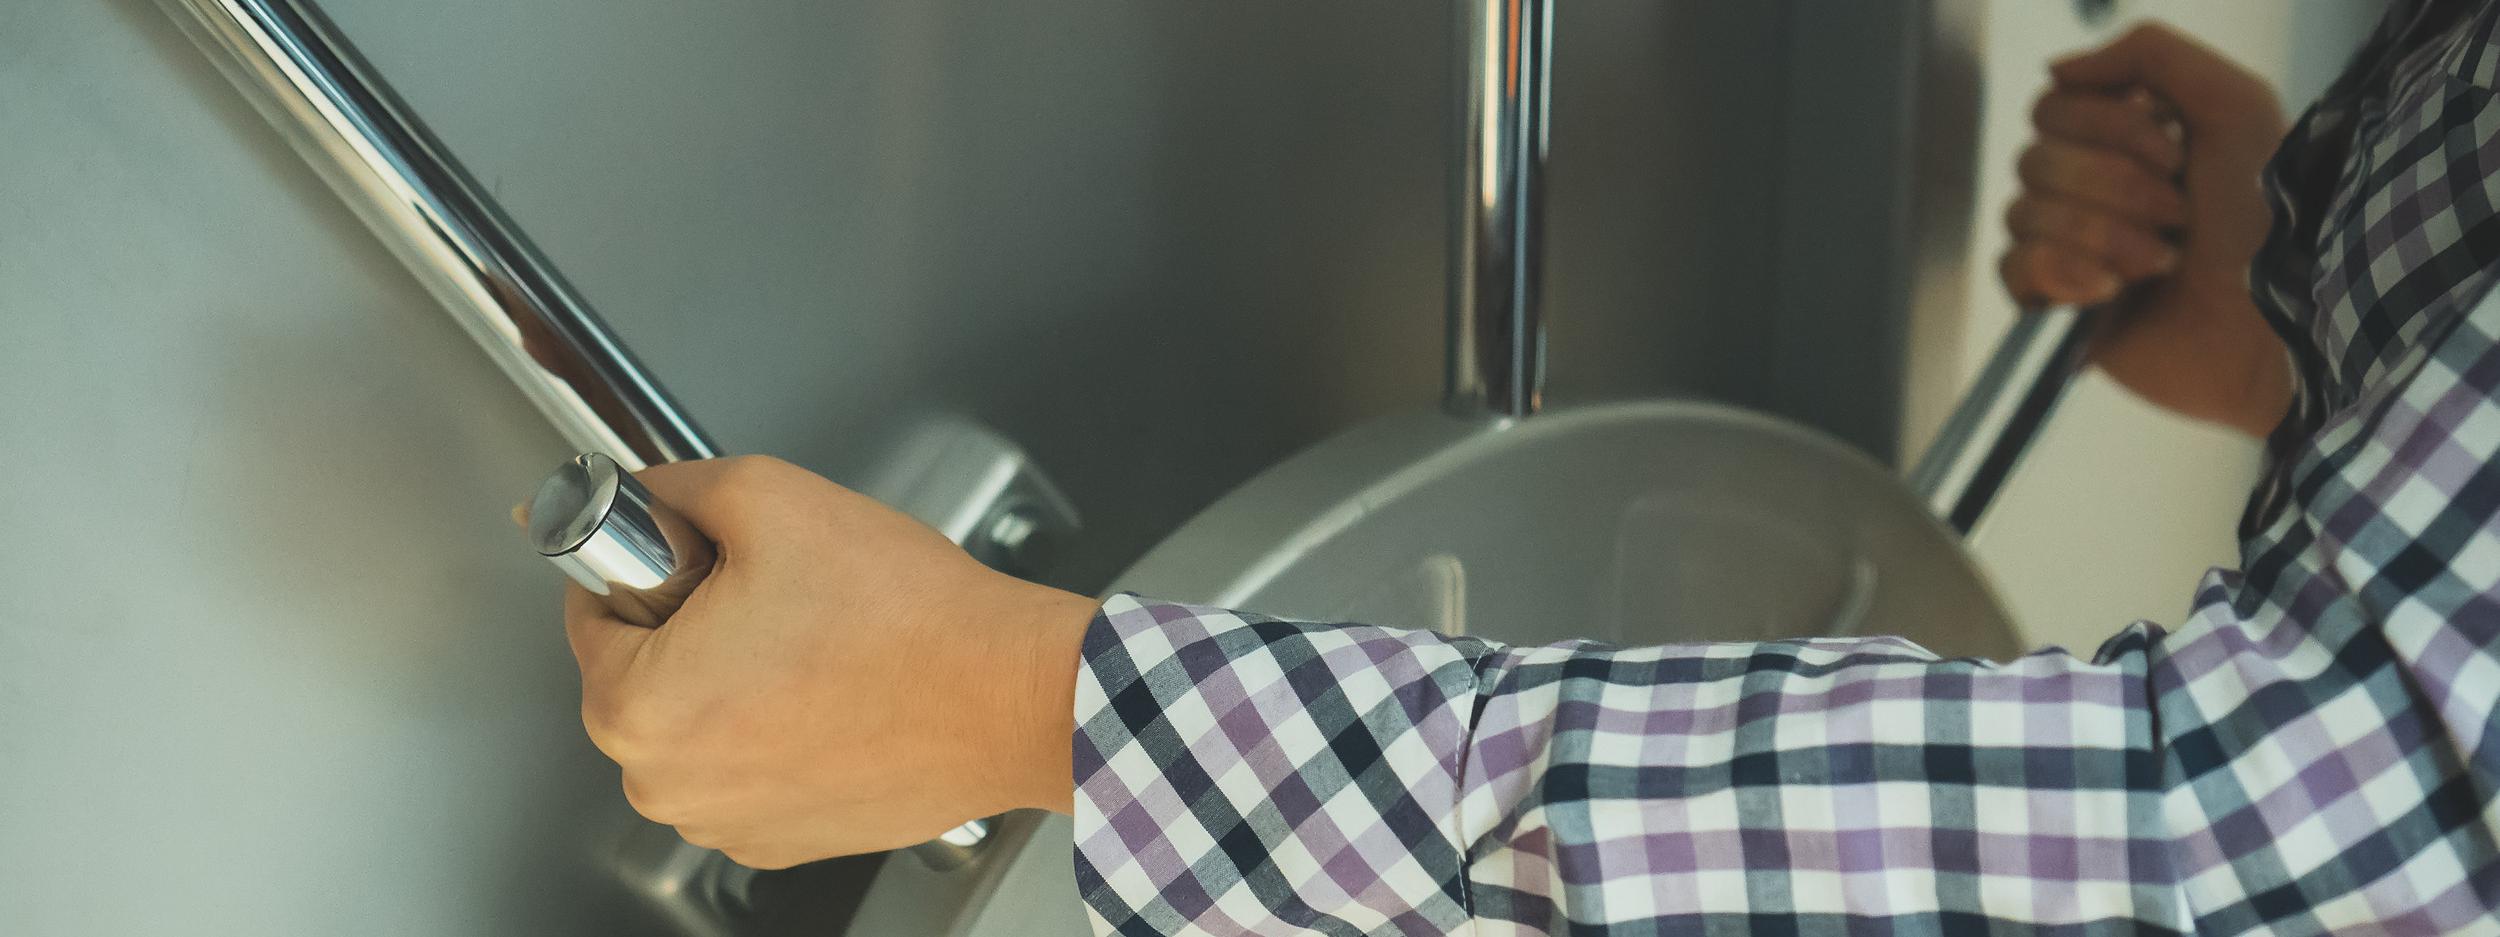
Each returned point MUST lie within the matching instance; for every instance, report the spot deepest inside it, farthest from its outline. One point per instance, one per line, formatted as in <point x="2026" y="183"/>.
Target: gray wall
<point x="270" y="661"/>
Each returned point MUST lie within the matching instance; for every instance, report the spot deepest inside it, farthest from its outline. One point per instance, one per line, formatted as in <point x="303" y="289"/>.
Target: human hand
<point x="846" y="680"/>
<point x="2157" y="220"/>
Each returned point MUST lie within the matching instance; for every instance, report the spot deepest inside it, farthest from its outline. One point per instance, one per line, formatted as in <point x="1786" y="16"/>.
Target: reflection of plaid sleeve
<point x="2312" y="752"/>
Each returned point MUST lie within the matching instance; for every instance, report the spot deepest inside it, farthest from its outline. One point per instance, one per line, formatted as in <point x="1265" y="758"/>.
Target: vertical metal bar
<point x="2001" y="415"/>
<point x="348" y="124"/>
<point x="1496" y="332"/>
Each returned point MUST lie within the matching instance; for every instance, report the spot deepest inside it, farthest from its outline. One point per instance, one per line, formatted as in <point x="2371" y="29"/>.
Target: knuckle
<point x="601" y="723"/>
<point x="704" y="837"/>
<point x="2047" y="110"/>
<point x="2047" y="221"/>
<point x="654" y="805"/>
<point x="2021" y="262"/>
<point x="763" y="859"/>
<point x="2150" y="32"/>
<point x="2091" y="232"/>
<point x="2029" y="218"/>
<point x="2058" y="167"/>
<point x="753" y="468"/>
<point x="2054" y="265"/>
<point x="2032" y="164"/>
<point x="640" y="723"/>
<point x="2019" y="274"/>
<point x="627" y="730"/>
<point x="2070" y="115"/>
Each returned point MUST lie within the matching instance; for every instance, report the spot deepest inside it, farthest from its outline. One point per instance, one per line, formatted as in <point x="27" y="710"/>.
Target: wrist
<point x="1031" y="663"/>
<point x="2249" y="363"/>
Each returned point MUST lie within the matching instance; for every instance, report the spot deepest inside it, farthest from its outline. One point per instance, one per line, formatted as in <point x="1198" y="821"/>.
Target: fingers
<point x="2101" y="189"/>
<point x="603" y="645"/>
<point x="2129" y="124"/>
<point x="2045" y="273"/>
<point x="2131" y="251"/>
<point x="2205" y="87"/>
<point x="2105" y="179"/>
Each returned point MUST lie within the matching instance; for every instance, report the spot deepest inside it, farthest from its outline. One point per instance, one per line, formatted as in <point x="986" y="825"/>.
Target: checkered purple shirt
<point x="2312" y="751"/>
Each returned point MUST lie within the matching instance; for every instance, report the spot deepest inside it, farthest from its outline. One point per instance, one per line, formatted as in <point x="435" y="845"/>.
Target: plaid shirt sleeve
<point x="2312" y="752"/>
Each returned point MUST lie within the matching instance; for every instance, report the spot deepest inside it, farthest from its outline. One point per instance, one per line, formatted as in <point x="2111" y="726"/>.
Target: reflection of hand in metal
<point x="2141" y="195"/>
<point x="566" y="365"/>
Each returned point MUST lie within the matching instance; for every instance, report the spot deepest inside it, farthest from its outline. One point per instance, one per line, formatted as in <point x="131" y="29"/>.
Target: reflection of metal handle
<point x="1497" y="216"/>
<point x="2002" y="414"/>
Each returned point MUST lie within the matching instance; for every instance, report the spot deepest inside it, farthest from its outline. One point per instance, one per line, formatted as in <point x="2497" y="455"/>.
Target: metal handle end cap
<point x="572" y="502"/>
